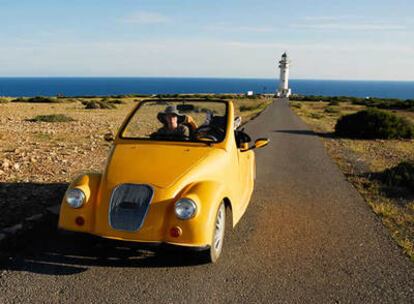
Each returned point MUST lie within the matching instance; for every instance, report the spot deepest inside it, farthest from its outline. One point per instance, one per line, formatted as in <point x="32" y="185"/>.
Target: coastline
<point x="104" y="86"/>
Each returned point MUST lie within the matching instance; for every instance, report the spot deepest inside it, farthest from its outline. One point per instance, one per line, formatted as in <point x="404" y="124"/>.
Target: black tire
<point x="222" y="229"/>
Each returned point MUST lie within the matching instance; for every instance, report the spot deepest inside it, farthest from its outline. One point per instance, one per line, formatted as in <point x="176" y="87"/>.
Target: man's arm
<point x="184" y="131"/>
<point x="190" y="121"/>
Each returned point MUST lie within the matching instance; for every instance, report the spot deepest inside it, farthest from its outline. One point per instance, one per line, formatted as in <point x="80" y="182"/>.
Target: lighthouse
<point x="283" y="90"/>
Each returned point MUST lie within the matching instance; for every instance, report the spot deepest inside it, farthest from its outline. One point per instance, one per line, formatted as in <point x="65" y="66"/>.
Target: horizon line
<point x="210" y="77"/>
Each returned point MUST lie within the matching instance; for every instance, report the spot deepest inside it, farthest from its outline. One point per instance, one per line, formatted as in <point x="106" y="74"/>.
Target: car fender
<point x="199" y="230"/>
<point x="89" y="184"/>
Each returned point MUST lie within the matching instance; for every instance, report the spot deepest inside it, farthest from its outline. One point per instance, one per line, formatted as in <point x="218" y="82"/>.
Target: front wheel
<point x="218" y="234"/>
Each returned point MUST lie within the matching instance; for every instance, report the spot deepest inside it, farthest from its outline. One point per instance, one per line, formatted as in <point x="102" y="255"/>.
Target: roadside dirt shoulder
<point x="362" y="162"/>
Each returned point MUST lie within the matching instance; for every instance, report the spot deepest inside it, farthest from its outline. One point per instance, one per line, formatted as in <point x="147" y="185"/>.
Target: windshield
<point x="183" y="120"/>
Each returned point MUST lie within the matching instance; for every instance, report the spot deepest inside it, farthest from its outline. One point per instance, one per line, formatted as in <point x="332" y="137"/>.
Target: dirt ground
<point x="38" y="159"/>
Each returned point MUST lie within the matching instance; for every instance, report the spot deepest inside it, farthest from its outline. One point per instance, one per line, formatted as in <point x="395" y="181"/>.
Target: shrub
<point x="19" y="99"/>
<point x="3" y="100"/>
<point x="373" y="123"/>
<point x="116" y="101"/>
<point x="42" y="99"/>
<point x="244" y="108"/>
<point x="52" y="118"/>
<point x="332" y="110"/>
<point x="382" y="103"/>
<point x="39" y="99"/>
<point x="98" y="105"/>
<point x="66" y="100"/>
<point x="315" y="115"/>
<point x="296" y="105"/>
<point x="106" y="105"/>
<point x="91" y="105"/>
<point x="400" y="176"/>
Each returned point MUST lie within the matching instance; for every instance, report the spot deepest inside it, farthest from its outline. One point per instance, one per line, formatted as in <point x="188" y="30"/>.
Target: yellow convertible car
<point x="177" y="170"/>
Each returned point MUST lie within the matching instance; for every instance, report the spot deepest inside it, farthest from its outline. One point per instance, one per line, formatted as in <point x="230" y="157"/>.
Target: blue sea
<point x="83" y="86"/>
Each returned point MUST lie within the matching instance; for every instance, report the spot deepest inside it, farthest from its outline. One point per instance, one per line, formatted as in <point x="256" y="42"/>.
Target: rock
<point x="5" y="164"/>
<point x="13" y="229"/>
<point x="34" y="218"/>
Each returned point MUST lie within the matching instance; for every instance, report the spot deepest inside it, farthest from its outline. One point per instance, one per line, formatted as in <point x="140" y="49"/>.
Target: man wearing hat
<point x="173" y="125"/>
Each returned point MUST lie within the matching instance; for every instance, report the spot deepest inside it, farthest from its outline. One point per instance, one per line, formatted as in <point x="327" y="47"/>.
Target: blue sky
<point x="363" y="39"/>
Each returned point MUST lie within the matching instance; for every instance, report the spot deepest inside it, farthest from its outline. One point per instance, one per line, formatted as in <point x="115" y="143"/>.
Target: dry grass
<point x="249" y="108"/>
<point x="57" y="151"/>
<point x="360" y="160"/>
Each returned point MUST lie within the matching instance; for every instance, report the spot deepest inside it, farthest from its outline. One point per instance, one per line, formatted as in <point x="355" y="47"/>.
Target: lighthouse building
<point x="284" y="90"/>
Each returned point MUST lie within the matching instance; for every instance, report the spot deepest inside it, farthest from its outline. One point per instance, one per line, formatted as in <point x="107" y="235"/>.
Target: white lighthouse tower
<point x="283" y="90"/>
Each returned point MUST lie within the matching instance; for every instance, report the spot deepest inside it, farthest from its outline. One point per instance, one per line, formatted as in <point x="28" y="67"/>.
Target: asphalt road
<point x="307" y="237"/>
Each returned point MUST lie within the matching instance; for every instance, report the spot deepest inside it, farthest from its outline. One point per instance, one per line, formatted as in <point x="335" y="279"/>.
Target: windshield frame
<point x="175" y="100"/>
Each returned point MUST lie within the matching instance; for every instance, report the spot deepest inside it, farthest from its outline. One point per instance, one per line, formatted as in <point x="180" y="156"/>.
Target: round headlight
<point x="75" y="198"/>
<point x="185" y="209"/>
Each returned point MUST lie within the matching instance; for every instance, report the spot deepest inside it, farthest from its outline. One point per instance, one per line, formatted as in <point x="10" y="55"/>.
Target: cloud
<point x="326" y="47"/>
<point x="345" y="23"/>
<point x="331" y="18"/>
<point x="200" y="57"/>
<point x="231" y="28"/>
<point x="349" y="26"/>
<point x="145" y="17"/>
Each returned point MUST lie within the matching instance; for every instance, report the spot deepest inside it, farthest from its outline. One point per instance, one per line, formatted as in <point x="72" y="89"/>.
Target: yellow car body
<point x="208" y="174"/>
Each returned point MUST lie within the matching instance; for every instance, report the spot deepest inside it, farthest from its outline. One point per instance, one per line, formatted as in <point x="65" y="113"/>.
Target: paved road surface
<point x="307" y="237"/>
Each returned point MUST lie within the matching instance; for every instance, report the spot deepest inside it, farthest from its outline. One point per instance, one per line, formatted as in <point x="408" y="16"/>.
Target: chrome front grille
<point x="129" y="205"/>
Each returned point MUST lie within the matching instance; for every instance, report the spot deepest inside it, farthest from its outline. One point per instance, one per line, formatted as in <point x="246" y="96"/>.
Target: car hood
<point x="157" y="165"/>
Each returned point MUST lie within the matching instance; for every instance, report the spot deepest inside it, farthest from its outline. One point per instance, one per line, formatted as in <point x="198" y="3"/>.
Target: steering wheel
<point x="206" y="129"/>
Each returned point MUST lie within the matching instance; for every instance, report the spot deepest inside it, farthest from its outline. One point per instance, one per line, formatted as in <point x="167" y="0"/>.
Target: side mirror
<point x="109" y="137"/>
<point x="261" y="142"/>
<point x="244" y="147"/>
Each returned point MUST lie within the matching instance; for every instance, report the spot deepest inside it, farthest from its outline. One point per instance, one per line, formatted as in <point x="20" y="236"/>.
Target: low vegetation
<point x="52" y="118"/>
<point x="19" y="99"/>
<point x="244" y="108"/>
<point x="373" y="124"/>
<point x="249" y="108"/>
<point x="381" y="103"/>
<point x="401" y="175"/>
<point x="98" y="104"/>
<point x="213" y="96"/>
<point x="39" y="99"/>
<point x="116" y="101"/>
<point x="381" y="167"/>
<point x="332" y="109"/>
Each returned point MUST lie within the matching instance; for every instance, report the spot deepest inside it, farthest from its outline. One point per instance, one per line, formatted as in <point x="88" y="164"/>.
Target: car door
<point x="246" y="177"/>
<point x="245" y="167"/>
